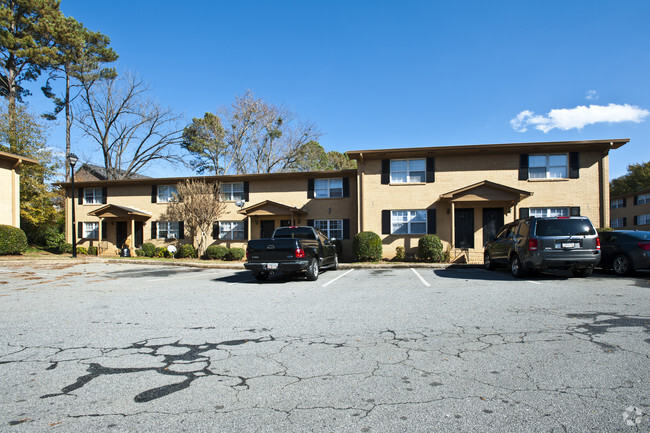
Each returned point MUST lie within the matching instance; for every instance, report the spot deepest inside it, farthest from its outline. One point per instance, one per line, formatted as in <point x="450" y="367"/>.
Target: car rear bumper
<point x="271" y="267"/>
<point x="563" y="259"/>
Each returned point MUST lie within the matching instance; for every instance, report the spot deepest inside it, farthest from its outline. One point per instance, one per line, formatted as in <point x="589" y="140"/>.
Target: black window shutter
<point x="181" y="230"/>
<point x="246" y="228"/>
<point x="574" y="211"/>
<point x="310" y="223"/>
<point x="636" y="201"/>
<point x="80" y="198"/>
<point x="431" y="221"/>
<point x="431" y="169"/>
<point x="310" y="188"/>
<point x="636" y="220"/>
<point x="624" y="221"/>
<point x="246" y="191"/>
<point x="80" y="230"/>
<point x="154" y="195"/>
<point x="346" y="229"/>
<point x="346" y="187"/>
<point x="574" y="165"/>
<point x="215" y="230"/>
<point x="104" y="229"/>
<point x="624" y="202"/>
<point x="385" y="222"/>
<point x="385" y="171"/>
<point x="154" y="230"/>
<point x="524" y="212"/>
<point x="523" y="166"/>
<point x="104" y="195"/>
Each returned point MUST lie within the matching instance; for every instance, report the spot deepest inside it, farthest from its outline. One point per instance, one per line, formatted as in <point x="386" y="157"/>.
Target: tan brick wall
<point x="9" y="195"/>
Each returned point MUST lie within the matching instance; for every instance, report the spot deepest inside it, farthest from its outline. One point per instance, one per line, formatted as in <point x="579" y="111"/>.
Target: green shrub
<point x="216" y="252"/>
<point x="604" y="229"/>
<point x="161" y="252"/>
<point x="82" y="250"/>
<point x="65" y="248"/>
<point x="149" y="249"/>
<point x="366" y="246"/>
<point x="139" y="253"/>
<point x="430" y="248"/>
<point x="53" y="238"/>
<point x="92" y="251"/>
<point x="400" y="254"/>
<point x="236" y="254"/>
<point x="185" y="251"/>
<point x="12" y="240"/>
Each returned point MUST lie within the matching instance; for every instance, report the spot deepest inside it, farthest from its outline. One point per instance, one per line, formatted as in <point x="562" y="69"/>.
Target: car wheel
<point x="335" y="265"/>
<point x="312" y="270"/>
<point x="582" y="272"/>
<point x="516" y="267"/>
<point x="487" y="261"/>
<point x="622" y="265"/>
<point x="262" y="276"/>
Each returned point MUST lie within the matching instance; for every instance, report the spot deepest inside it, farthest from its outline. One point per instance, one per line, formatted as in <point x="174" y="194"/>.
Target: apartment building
<point x="631" y="211"/>
<point x="10" y="166"/>
<point x="463" y="194"/>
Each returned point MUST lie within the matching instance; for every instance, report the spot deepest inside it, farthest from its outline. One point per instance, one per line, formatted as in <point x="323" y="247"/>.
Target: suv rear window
<point x="564" y="227"/>
<point x="296" y="233"/>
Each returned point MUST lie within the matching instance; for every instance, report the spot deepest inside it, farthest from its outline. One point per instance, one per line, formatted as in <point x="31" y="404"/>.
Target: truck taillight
<point x="597" y="243"/>
<point x="532" y="244"/>
<point x="645" y="246"/>
<point x="300" y="253"/>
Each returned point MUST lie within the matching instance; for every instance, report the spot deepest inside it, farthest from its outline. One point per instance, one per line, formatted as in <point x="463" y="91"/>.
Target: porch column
<point x="132" y="245"/>
<point x="99" y="238"/>
<point x="453" y="225"/>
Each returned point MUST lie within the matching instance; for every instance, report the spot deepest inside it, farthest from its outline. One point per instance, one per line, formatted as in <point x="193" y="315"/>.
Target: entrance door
<point x="138" y="234"/>
<point x="266" y="228"/>
<point x="120" y="233"/>
<point x="492" y="221"/>
<point x="464" y="222"/>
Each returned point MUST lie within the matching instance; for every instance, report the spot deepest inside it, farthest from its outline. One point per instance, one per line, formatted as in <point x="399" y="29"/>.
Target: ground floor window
<point x="643" y="219"/>
<point x="541" y="212"/>
<point x="91" y="230"/>
<point x="168" y="229"/>
<point x="617" y="223"/>
<point x="408" y="222"/>
<point x="231" y="230"/>
<point x="333" y="229"/>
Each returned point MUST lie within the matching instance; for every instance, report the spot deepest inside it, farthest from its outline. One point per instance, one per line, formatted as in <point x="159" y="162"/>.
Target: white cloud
<point x="591" y="95"/>
<point x="578" y="117"/>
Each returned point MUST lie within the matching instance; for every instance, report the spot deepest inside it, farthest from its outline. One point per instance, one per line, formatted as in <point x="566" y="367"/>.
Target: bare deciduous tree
<point x="198" y="205"/>
<point x="130" y="128"/>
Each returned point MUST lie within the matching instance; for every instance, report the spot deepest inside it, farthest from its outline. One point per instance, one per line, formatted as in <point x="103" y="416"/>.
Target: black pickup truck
<point x="291" y="250"/>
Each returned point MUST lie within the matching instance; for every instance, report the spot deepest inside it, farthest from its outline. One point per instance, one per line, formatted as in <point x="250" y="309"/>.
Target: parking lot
<point x="132" y="347"/>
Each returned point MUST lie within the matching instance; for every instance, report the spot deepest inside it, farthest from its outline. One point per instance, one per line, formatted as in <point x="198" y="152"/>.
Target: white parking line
<point x="340" y="276"/>
<point x="420" y="277"/>
<point x="534" y="282"/>
<point x="182" y="277"/>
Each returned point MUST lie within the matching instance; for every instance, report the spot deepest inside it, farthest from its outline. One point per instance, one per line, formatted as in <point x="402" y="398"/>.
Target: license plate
<point x="271" y="266"/>
<point x="568" y="245"/>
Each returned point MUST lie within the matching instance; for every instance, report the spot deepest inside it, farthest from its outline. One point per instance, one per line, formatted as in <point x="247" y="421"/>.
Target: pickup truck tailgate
<point x="267" y="250"/>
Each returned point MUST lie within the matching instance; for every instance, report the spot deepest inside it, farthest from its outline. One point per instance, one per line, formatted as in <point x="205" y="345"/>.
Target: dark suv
<point x="541" y="243"/>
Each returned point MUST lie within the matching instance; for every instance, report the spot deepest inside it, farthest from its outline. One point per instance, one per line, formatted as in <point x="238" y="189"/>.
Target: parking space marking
<point x="420" y="277"/>
<point x="182" y="277"/>
<point x="340" y="276"/>
<point x="534" y="282"/>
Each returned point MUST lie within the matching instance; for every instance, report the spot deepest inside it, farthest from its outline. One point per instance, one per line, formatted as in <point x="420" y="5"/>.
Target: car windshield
<point x="641" y="236"/>
<point x="564" y="227"/>
<point x="296" y="233"/>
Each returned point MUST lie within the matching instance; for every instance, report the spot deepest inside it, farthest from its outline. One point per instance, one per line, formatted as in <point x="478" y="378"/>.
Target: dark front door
<point x="120" y="233"/>
<point x="138" y="234"/>
<point x="492" y="221"/>
<point x="266" y="228"/>
<point x="464" y="222"/>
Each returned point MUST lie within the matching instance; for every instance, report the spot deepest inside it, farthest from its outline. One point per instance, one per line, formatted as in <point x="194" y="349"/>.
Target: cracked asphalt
<point x="123" y="347"/>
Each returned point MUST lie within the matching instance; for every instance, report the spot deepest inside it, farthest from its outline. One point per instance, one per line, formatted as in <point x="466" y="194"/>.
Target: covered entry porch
<point x="120" y="226"/>
<point x="476" y="212"/>
<point x="264" y="217"/>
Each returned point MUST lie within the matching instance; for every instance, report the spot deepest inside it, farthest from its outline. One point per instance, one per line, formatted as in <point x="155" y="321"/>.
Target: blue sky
<point x="379" y="74"/>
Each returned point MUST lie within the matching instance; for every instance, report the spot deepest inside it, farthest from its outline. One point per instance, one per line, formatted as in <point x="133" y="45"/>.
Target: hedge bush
<point x="161" y="252"/>
<point x="149" y="249"/>
<point x="92" y="251"/>
<point x="366" y="246"/>
<point x="53" y="239"/>
<point x="236" y="254"/>
<point x="186" y="251"/>
<point x="216" y="252"/>
<point x="82" y="250"/>
<point x="139" y="253"/>
<point x="66" y="248"/>
<point x="12" y="240"/>
<point x="400" y="254"/>
<point x="430" y="248"/>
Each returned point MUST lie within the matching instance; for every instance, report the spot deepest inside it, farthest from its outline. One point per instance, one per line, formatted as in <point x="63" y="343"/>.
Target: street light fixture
<point x="72" y="160"/>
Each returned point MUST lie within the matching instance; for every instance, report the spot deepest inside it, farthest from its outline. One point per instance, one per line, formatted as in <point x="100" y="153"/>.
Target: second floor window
<point x="166" y="193"/>
<point x="92" y="196"/>
<point x="618" y="203"/>
<point x="167" y="229"/>
<point x="408" y="222"/>
<point x="232" y="191"/>
<point x="643" y="199"/>
<point x="407" y="170"/>
<point x="327" y="188"/>
<point x="547" y="166"/>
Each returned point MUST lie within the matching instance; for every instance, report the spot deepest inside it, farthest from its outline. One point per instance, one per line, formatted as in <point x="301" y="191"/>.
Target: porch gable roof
<point x="486" y="191"/>
<point x="268" y="207"/>
<point x="116" y="211"/>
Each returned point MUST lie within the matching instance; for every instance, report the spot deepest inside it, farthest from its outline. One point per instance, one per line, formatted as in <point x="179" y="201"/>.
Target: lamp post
<point x="72" y="160"/>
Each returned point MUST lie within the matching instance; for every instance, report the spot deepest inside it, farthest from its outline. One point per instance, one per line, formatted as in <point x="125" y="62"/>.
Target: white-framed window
<point x="91" y="230"/>
<point x="551" y="166"/>
<point x="333" y="229"/>
<point x="617" y="223"/>
<point x="407" y="222"/>
<point x="92" y="196"/>
<point x="167" y="229"/>
<point x="328" y="188"/>
<point x="541" y="212"/>
<point x="408" y="170"/>
<point x="643" y="219"/>
<point x="166" y="193"/>
<point x="643" y="199"/>
<point x="232" y="191"/>
<point x="231" y="230"/>
<point x="618" y="203"/>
